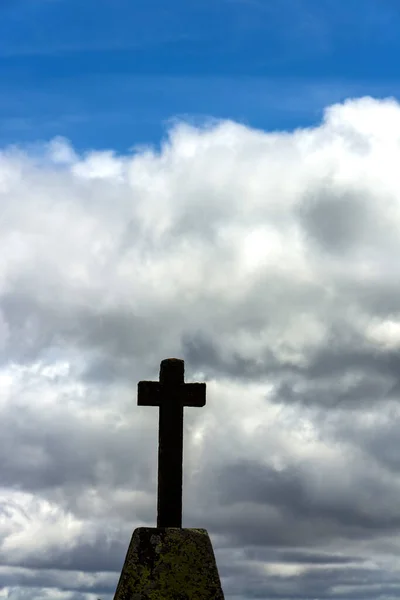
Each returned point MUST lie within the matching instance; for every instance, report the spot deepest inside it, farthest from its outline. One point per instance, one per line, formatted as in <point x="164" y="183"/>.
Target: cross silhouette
<point x="171" y="394"/>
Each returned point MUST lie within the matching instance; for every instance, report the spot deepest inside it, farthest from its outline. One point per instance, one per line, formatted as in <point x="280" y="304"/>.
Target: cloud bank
<point x="269" y="262"/>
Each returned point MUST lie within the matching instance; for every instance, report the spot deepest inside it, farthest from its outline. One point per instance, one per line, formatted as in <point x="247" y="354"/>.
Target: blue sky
<point x="111" y="74"/>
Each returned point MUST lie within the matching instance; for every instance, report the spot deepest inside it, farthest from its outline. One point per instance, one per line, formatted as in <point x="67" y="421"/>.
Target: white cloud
<point x="268" y="261"/>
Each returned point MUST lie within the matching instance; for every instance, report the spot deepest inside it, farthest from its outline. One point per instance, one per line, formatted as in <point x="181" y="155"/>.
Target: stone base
<point x="169" y="564"/>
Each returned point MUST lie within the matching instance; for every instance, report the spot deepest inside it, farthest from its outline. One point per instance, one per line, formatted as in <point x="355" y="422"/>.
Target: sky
<point x="216" y="181"/>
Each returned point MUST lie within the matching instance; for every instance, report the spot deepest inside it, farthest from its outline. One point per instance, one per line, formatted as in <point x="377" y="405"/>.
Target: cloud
<point x="268" y="261"/>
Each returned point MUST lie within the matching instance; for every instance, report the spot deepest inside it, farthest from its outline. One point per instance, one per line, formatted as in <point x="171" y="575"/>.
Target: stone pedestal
<point x="169" y="564"/>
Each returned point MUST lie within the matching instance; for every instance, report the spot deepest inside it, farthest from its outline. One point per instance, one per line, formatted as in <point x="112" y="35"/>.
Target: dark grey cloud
<point x="334" y="222"/>
<point x="99" y="555"/>
<point x="297" y="556"/>
<point x="353" y="508"/>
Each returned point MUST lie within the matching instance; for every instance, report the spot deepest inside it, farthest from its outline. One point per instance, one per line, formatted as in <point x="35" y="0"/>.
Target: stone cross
<point x="171" y="394"/>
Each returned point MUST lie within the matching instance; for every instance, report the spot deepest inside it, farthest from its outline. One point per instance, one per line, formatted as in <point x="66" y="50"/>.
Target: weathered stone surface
<point x="169" y="564"/>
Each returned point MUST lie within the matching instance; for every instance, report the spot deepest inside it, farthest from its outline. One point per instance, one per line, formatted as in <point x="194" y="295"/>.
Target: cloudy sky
<point x="216" y="182"/>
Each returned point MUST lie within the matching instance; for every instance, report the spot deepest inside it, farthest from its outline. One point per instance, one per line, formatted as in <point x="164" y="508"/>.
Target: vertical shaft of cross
<point x="170" y="460"/>
<point x="170" y="446"/>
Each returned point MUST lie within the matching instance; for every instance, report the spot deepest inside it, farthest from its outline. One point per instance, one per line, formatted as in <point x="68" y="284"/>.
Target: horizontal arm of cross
<point x="151" y="393"/>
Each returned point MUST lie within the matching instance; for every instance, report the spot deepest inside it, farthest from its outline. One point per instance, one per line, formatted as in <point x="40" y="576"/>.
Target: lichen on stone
<point x="169" y="564"/>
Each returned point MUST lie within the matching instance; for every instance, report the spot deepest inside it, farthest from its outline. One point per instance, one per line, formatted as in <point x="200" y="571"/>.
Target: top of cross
<point x="172" y="376"/>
